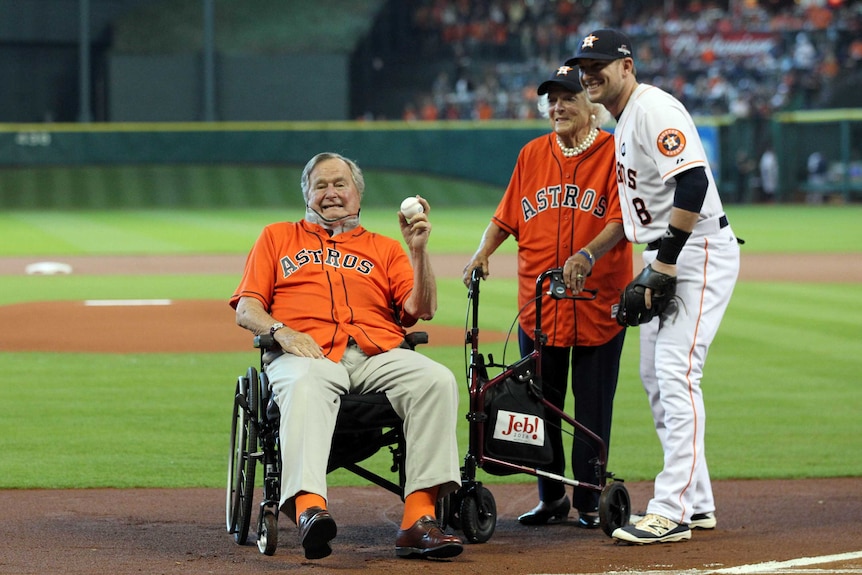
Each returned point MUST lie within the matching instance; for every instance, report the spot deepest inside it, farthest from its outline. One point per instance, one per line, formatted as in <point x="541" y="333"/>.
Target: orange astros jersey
<point x="553" y="207"/>
<point x="330" y="287"/>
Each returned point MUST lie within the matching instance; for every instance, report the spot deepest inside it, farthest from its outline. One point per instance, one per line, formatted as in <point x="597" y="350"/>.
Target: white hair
<point x="599" y="115"/>
<point x="355" y="172"/>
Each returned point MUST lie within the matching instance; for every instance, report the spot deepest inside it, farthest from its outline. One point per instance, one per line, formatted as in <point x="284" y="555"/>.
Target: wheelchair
<point x="366" y="423"/>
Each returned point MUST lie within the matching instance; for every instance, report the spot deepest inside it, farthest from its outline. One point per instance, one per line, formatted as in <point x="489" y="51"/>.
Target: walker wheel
<point x="478" y="515"/>
<point x="614" y="507"/>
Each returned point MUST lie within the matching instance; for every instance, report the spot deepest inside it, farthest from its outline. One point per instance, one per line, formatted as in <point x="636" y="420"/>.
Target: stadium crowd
<point x="749" y="60"/>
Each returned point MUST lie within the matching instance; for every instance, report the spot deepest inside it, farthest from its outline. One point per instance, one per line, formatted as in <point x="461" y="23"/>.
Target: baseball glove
<point x="632" y="310"/>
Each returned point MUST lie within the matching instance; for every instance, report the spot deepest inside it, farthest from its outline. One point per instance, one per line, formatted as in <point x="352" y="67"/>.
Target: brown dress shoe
<point x="425" y="539"/>
<point x="316" y="529"/>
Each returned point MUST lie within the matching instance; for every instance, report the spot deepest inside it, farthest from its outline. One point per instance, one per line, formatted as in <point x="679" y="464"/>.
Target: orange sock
<point x="418" y="504"/>
<point x="304" y="500"/>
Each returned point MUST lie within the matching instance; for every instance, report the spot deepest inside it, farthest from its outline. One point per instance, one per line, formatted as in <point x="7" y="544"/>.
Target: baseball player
<point x="335" y="297"/>
<point x="561" y="206"/>
<point x="670" y="203"/>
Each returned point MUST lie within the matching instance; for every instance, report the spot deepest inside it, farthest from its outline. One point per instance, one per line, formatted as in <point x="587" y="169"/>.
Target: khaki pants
<point x="308" y="392"/>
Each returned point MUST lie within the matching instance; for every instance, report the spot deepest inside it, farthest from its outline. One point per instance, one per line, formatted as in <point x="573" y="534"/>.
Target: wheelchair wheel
<point x="267" y="532"/>
<point x="478" y="515"/>
<point x="614" y="507"/>
<point x="241" y="463"/>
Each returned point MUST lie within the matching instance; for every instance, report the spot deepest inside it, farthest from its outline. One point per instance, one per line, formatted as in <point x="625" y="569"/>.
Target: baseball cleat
<point x="702" y="521"/>
<point x="652" y="529"/>
<point x="698" y="520"/>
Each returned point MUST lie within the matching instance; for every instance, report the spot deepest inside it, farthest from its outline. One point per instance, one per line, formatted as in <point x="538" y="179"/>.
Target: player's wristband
<point x="587" y="254"/>
<point x="671" y="245"/>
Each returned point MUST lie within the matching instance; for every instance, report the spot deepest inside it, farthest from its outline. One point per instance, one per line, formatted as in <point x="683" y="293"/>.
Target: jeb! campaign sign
<point x="519" y="428"/>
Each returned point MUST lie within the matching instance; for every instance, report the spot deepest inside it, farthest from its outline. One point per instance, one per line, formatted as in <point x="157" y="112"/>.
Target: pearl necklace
<point x="580" y="148"/>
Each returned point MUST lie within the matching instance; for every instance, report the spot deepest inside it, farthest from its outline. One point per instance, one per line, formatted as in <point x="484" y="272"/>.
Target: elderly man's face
<point x="333" y="193"/>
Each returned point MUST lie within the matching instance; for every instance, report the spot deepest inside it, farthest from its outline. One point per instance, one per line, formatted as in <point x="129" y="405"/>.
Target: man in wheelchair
<point x="325" y="288"/>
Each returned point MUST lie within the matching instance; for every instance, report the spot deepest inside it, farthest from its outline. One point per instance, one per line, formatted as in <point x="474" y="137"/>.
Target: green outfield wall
<point x="483" y="152"/>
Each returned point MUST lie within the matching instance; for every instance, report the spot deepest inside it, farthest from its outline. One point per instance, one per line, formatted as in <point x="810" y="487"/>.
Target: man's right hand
<point x="298" y="343"/>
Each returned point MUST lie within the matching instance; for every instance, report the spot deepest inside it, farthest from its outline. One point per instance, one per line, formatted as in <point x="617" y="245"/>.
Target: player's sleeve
<point x="671" y="123"/>
<point x="258" y="278"/>
<point x="691" y="187"/>
<point x="400" y="273"/>
<point x="508" y="213"/>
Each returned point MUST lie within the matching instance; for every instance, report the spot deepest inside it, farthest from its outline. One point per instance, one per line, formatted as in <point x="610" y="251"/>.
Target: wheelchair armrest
<point x="414" y="338"/>
<point x="267" y="343"/>
<point x="269" y="348"/>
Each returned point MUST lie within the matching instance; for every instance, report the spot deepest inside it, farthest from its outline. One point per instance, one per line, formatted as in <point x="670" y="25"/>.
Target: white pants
<point x="673" y="353"/>
<point x="422" y="392"/>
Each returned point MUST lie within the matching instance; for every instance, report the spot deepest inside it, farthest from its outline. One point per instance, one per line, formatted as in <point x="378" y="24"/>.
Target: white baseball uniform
<point x="656" y="139"/>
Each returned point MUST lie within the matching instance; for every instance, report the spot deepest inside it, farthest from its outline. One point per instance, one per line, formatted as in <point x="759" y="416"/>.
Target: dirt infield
<point x="129" y="532"/>
<point x="122" y="532"/>
<point x="185" y="326"/>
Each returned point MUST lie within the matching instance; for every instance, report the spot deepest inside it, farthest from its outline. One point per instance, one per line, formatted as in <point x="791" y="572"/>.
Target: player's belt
<point x="656" y="244"/>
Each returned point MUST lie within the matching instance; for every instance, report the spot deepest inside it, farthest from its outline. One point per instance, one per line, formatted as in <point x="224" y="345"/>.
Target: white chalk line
<point x="793" y="564"/>
<point x="789" y="567"/>
<point x="125" y="302"/>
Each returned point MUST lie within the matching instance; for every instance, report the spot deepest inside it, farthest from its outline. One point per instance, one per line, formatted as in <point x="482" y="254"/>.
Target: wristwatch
<point x="275" y="327"/>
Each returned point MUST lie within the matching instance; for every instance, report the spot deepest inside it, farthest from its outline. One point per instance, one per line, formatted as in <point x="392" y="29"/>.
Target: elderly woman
<point x="561" y="206"/>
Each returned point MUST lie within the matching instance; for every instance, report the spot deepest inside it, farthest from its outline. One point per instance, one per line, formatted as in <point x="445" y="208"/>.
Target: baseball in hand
<point x="410" y="207"/>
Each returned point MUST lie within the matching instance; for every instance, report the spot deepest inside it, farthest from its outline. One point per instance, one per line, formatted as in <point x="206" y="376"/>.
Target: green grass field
<point x="782" y="382"/>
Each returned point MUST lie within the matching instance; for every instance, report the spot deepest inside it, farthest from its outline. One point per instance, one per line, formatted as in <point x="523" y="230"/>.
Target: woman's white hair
<point x="599" y="115"/>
